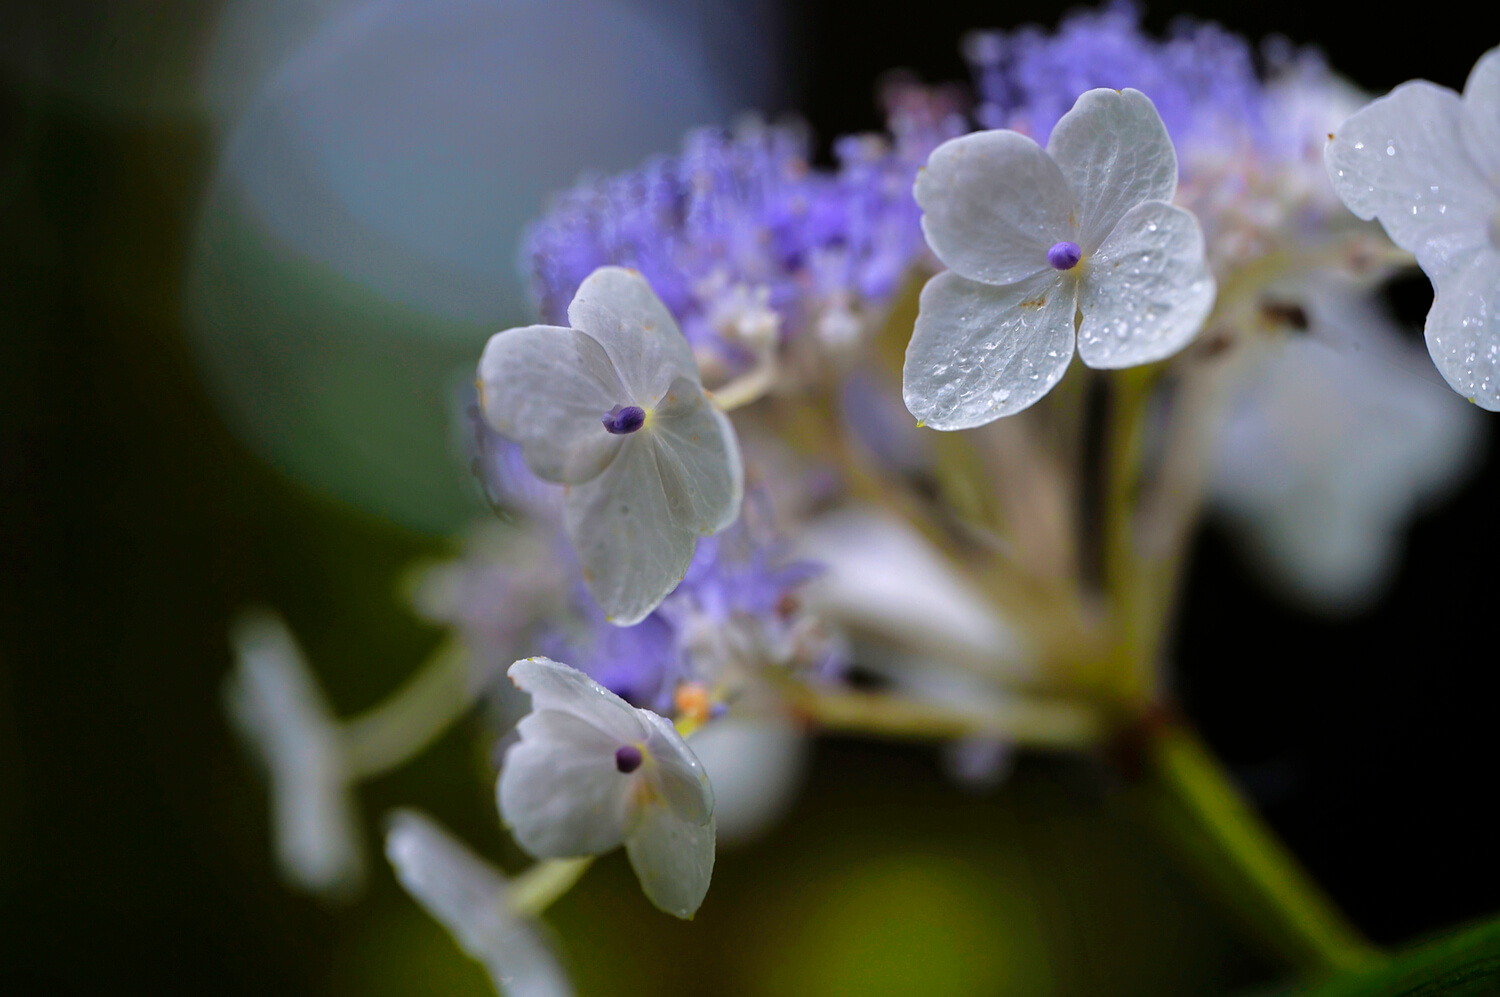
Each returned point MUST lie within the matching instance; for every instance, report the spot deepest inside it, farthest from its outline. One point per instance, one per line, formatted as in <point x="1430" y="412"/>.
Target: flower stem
<point x="1193" y="800"/>
<point x="748" y="387"/>
<point x="1041" y="723"/>
<point x="1131" y="607"/>
<point x="543" y="884"/>
<point x="412" y="717"/>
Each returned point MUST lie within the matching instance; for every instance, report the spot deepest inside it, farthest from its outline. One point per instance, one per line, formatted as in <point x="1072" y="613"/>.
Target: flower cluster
<point x="745" y="242"/>
<point x="1007" y="586"/>
<point x="1202" y="79"/>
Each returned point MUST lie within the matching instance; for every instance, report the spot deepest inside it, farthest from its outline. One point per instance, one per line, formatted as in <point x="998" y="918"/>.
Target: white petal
<point x="548" y="389"/>
<point x="560" y="792"/>
<point x="673" y="858"/>
<point x="1403" y="159"/>
<point x="882" y="576"/>
<point x="756" y="765"/>
<point x="674" y="772"/>
<point x="617" y="307"/>
<point x="1482" y="114"/>
<point x="1338" y="439"/>
<point x="275" y="703"/>
<point x="698" y="457"/>
<point x="632" y="552"/>
<point x="993" y="203"/>
<point x="466" y="895"/>
<point x="1146" y="292"/>
<point x="1114" y="152"/>
<point x="980" y="352"/>
<point x="1463" y="331"/>
<point x="556" y="686"/>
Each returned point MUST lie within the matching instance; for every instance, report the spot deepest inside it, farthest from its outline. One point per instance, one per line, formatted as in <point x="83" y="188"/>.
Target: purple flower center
<point x="1064" y="255"/>
<point x="628" y="758"/>
<point x="624" y="419"/>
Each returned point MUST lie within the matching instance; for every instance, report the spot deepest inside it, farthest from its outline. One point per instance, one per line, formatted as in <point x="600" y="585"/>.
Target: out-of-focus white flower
<point x="882" y="577"/>
<point x="591" y="771"/>
<point x="756" y="765"/>
<point x="275" y="704"/>
<point x="467" y="896"/>
<point x="1334" y="444"/>
<point x="1426" y="162"/>
<point x="614" y="409"/>
<point x="1035" y="237"/>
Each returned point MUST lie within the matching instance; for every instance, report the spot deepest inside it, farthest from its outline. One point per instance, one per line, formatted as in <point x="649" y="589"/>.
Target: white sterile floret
<point x="467" y="896"/>
<point x="1426" y="162"/>
<point x="275" y="704"/>
<point x="614" y="409"/>
<point x="880" y="576"/>
<point x="1335" y="443"/>
<point x="757" y="764"/>
<point x="1045" y="247"/>
<point x="592" y="772"/>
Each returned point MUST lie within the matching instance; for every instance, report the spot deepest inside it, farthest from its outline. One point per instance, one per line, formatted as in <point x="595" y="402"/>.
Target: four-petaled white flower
<point x="1426" y="162"/>
<point x="591" y="771"/>
<point x="614" y="409"/>
<point x="468" y="897"/>
<point x="1045" y="244"/>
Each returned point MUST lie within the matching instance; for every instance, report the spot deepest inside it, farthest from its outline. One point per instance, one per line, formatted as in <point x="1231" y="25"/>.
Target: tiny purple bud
<point x="628" y="758"/>
<point x="1064" y="255"/>
<point x="624" y="419"/>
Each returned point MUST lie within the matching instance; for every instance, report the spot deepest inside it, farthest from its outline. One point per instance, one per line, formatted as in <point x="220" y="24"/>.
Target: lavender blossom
<point x="743" y="240"/>
<point x="1201" y="78"/>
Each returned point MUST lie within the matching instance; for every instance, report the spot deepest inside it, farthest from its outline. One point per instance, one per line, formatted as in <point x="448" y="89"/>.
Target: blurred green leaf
<point x="1463" y="964"/>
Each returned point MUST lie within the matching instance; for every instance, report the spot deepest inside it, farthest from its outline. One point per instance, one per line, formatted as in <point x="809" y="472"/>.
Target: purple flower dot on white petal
<point x="624" y="419"/>
<point x="1064" y="256"/>
<point x="628" y="758"/>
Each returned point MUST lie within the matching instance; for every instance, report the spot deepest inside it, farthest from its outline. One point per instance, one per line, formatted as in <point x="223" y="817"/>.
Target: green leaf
<point x="1463" y="964"/>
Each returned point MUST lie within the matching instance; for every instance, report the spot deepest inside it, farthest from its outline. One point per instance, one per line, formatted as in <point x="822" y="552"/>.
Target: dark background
<point x="133" y="835"/>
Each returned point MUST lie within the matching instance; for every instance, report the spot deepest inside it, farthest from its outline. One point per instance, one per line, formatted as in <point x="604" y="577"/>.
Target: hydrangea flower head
<point x="1426" y="162"/>
<point x="591" y="771"/>
<point x="1035" y="238"/>
<point x="613" y="408"/>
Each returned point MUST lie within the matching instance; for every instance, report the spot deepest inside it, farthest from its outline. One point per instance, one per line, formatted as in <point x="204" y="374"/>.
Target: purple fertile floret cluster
<point x="1201" y="78"/>
<point x="734" y="587"/>
<point x="745" y="210"/>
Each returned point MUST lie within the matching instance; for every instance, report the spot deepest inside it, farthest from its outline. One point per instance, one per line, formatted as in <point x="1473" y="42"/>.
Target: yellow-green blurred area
<point x="141" y="508"/>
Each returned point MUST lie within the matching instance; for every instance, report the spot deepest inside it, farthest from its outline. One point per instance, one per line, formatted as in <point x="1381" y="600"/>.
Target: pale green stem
<point x="411" y="718"/>
<point x="1256" y="874"/>
<point x="749" y="386"/>
<point x="1130" y="605"/>
<point x="1194" y="800"/>
<point x="1024" y="721"/>
<point x="539" y="887"/>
